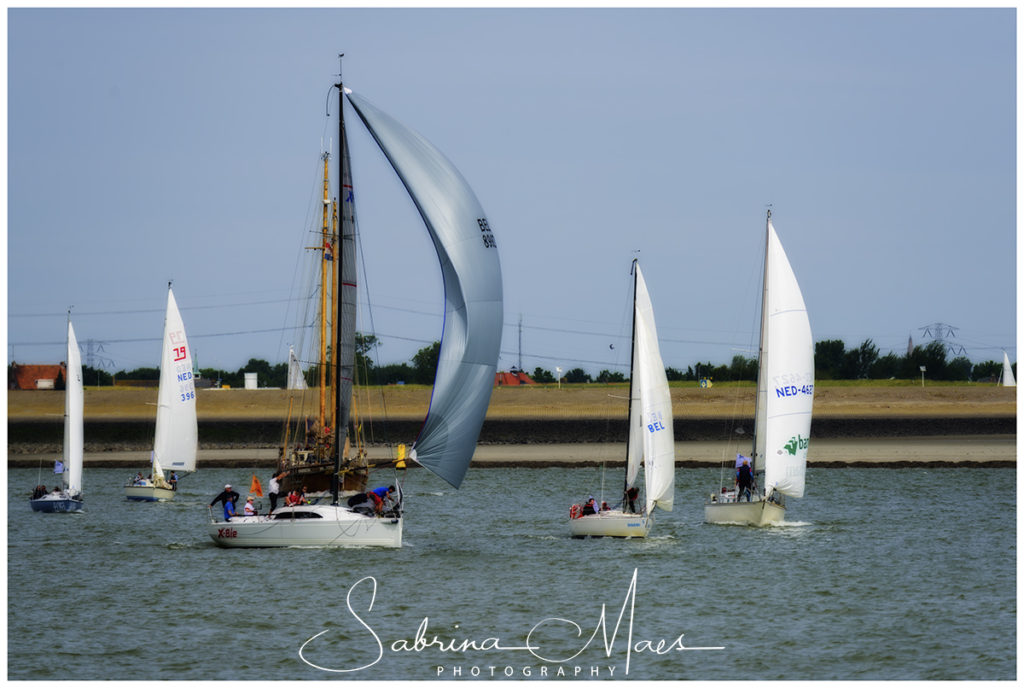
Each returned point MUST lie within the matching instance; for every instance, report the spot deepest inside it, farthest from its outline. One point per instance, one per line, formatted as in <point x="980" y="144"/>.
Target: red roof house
<point x="512" y="379"/>
<point x="35" y="376"/>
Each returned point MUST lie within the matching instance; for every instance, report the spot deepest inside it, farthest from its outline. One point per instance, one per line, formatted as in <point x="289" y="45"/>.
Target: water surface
<point x="880" y="574"/>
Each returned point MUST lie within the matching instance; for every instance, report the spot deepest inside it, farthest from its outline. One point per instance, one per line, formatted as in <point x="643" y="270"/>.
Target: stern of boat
<point x="56" y="504"/>
<point x="610" y="524"/>
<point x="759" y="512"/>
<point x="148" y="493"/>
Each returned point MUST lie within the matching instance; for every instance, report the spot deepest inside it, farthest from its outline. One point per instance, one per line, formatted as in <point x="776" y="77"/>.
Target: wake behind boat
<point x="177" y="429"/>
<point x="67" y="496"/>
<point x="471" y="336"/>
<point x="651" y="442"/>
<point x="785" y="397"/>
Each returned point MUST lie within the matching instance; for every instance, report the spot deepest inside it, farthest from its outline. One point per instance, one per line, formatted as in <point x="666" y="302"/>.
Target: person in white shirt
<point x="275" y="488"/>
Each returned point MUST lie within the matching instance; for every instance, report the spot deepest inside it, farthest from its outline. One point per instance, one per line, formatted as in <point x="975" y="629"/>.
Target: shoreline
<point x="895" y="452"/>
<point x="870" y="424"/>
<point x="30" y="436"/>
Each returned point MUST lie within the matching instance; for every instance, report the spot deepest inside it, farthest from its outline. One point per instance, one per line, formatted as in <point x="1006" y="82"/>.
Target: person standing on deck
<point x="744" y="481"/>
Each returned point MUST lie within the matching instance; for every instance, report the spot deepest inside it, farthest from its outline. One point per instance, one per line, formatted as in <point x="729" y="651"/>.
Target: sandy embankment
<point x="577" y="425"/>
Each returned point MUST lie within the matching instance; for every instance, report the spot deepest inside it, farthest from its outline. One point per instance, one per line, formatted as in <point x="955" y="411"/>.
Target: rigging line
<point x="369" y="316"/>
<point x="299" y="260"/>
<point x="158" y="339"/>
<point x="567" y="359"/>
<point x="154" y="310"/>
<point x="670" y="340"/>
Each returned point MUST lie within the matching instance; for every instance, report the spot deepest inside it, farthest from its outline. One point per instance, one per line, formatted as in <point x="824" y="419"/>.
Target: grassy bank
<point x="838" y="399"/>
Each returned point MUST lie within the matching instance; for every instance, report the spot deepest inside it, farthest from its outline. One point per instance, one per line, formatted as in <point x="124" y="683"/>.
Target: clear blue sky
<point x="183" y="144"/>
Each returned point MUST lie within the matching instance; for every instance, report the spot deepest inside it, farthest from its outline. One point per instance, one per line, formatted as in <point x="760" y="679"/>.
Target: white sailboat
<point x="470" y="340"/>
<point x="68" y="496"/>
<point x="1007" y="379"/>
<point x="785" y="397"/>
<point x="177" y="430"/>
<point x="651" y="442"/>
<point x="295" y="378"/>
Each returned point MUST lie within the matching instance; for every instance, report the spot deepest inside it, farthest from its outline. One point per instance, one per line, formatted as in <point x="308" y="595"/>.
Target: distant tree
<point x="932" y="357"/>
<point x="987" y="370"/>
<point x="424" y="363"/>
<point x="266" y="374"/>
<point x="743" y="368"/>
<point x="542" y="375"/>
<point x="608" y="376"/>
<point x="139" y="374"/>
<point x="886" y="367"/>
<point x="959" y="369"/>
<point x="700" y="371"/>
<point x="365" y="343"/>
<point x="95" y="376"/>
<point x="674" y="375"/>
<point x="393" y="373"/>
<point x="857" y="362"/>
<point x="213" y="375"/>
<point x="577" y="375"/>
<point x="828" y="359"/>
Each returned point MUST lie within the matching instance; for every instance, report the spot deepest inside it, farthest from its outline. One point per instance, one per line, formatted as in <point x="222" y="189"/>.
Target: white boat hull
<point x="148" y="493"/>
<point x="611" y="524"/>
<point x="308" y="526"/>
<point x="755" y="513"/>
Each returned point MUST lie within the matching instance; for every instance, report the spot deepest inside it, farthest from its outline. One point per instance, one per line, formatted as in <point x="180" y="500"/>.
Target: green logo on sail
<point x="795" y="443"/>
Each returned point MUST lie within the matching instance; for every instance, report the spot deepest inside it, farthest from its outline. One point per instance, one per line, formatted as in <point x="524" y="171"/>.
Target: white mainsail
<point x="786" y="386"/>
<point x="74" y="403"/>
<point x="1007" y="376"/>
<point x="655" y="404"/>
<point x="635" y="441"/>
<point x="177" y="429"/>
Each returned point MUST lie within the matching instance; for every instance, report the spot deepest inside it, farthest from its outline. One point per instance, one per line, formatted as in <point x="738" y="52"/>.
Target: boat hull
<point x="756" y="513"/>
<point x="611" y="524"/>
<point x="308" y="526"/>
<point x="56" y="504"/>
<point x="148" y="493"/>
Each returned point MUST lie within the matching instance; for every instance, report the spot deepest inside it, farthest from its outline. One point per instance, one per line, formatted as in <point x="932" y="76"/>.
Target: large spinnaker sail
<point x="655" y="404"/>
<point x="74" y="431"/>
<point x="471" y="272"/>
<point x="788" y="358"/>
<point x="177" y="430"/>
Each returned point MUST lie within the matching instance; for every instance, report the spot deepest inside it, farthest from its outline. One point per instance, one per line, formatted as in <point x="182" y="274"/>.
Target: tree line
<point x="832" y="361"/>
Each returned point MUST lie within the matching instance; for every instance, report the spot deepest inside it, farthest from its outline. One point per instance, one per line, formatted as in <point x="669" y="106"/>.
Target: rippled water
<point x="881" y="574"/>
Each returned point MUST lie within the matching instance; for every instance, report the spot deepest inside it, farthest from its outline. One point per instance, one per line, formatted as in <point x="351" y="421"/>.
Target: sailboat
<point x="177" y="430"/>
<point x="785" y="397"/>
<point x="68" y="496"/>
<point x="1007" y="379"/>
<point x="471" y="336"/>
<point x="651" y="442"/>
<point x="295" y="379"/>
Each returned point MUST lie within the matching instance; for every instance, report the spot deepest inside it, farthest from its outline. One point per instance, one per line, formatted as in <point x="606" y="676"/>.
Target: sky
<point x="154" y="145"/>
